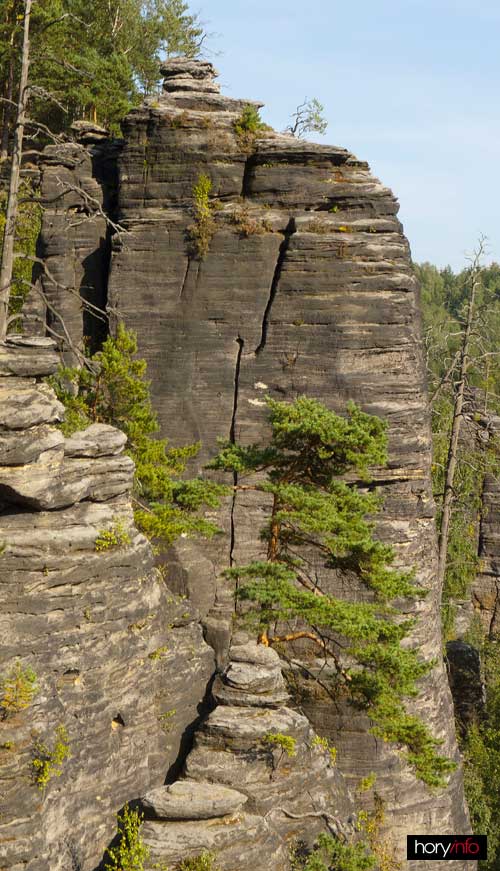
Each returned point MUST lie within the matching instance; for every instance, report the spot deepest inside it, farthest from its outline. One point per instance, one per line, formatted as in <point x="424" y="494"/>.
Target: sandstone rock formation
<point x="78" y="194"/>
<point x="121" y="663"/>
<point x="242" y="796"/>
<point x="307" y="287"/>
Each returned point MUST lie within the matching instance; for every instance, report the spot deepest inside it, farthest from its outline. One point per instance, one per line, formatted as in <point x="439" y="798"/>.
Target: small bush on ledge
<point x="323" y="744"/>
<point x="330" y="853"/>
<point x="17" y="689"/>
<point x="47" y="763"/>
<point x="248" y="125"/>
<point x="201" y="232"/>
<point x="131" y="853"/>
<point x="117" y="536"/>
<point x="287" y="744"/>
<point x="204" y="862"/>
<point x="113" y="389"/>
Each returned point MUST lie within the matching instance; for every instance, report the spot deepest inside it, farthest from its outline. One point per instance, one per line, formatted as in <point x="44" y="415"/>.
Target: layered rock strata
<point x="243" y="797"/>
<point x="78" y="193"/>
<point x="307" y="287"/>
<point x="120" y="662"/>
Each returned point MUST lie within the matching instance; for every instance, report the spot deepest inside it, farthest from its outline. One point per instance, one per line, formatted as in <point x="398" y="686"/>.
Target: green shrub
<point x="330" y="853"/>
<point x="286" y="743"/>
<point x="201" y="232"/>
<point x="159" y="653"/>
<point x="311" y="505"/>
<point x="249" y="121"/>
<point x="17" y="689"/>
<point x="248" y="125"/>
<point x="117" y="536"/>
<point x="47" y="762"/>
<point x="131" y="852"/>
<point x="204" y="862"/>
<point x="370" y="823"/>
<point x="323" y="744"/>
<point x="367" y="782"/>
<point x="114" y="390"/>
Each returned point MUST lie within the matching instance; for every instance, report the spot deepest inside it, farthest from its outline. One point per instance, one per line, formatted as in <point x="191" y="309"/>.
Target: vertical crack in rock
<point x="232" y="436"/>
<point x="184" y="280"/>
<point x="204" y="708"/>
<point x="245" y="185"/>
<point x="290" y="230"/>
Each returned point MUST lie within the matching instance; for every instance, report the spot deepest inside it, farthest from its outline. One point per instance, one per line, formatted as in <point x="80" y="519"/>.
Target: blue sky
<point x="412" y="86"/>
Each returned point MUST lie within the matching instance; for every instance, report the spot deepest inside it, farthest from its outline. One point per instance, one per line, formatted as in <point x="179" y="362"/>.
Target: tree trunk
<point x="451" y="464"/>
<point x="7" y="111"/>
<point x="15" y="173"/>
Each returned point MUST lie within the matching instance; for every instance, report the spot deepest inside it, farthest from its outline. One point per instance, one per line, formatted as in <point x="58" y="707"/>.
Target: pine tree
<point x="316" y="513"/>
<point x="100" y="59"/>
<point x="113" y="389"/>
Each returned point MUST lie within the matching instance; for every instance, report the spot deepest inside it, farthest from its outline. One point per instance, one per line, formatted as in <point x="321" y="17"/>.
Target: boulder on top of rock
<point x="87" y="132"/>
<point x="98" y="440"/>
<point x="185" y="66"/>
<point x="188" y="800"/>
<point x="256" y="653"/>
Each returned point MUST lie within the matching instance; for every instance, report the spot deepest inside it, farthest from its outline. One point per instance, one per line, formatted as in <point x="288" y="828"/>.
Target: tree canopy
<point x="94" y="60"/>
<point x="318" y="518"/>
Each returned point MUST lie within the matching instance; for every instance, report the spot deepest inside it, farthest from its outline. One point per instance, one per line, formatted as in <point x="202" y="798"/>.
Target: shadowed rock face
<point x="78" y="190"/>
<point x="113" y="649"/>
<point x="486" y="587"/>
<point x="307" y="287"/>
<point x="467" y="684"/>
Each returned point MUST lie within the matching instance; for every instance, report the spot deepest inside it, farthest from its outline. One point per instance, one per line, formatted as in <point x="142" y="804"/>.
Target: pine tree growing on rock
<point x="316" y="513"/>
<point x="113" y="389"/>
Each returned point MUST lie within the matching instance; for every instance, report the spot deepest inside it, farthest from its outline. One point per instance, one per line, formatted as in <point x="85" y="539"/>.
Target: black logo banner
<point x="447" y="847"/>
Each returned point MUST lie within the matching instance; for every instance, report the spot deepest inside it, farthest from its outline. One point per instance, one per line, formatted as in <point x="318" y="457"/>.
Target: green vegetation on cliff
<point x="445" y="296"/>
<point x="113" y="389"/>
<point x="93" y="60"/>
<point x="445" y="299"/>
<point x="315" y="514"/>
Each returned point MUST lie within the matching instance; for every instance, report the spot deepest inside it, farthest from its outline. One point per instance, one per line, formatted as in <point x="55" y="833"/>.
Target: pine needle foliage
<point x="114" y="390"/>
<point x="48" y="761"/>
<point x="18" y="688"/>
<point x="314" y="511"/>
<point x="248" y="126"/>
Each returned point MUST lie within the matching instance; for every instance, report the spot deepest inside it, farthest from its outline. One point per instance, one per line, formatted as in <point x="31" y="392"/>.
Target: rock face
<point x="78" y="194"/>
<point x="242" y="796"/>
<point x="466" y="682"/>
<point x="121" y="663"/>
<point x="486" y="588"/>
<point x="307" y="287"/>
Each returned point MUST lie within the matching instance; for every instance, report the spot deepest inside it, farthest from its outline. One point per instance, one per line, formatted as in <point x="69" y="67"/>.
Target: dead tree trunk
<point x="458" y="404"/>
<point x="15" y="174"/>
<point x="11" y="22"/>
